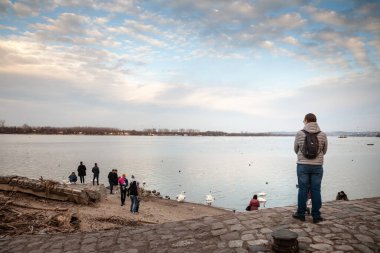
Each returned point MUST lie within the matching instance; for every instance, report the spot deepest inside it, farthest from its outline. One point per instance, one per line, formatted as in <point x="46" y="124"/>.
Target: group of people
<point x="127" y="188"/>
<point x="82" y="173"/>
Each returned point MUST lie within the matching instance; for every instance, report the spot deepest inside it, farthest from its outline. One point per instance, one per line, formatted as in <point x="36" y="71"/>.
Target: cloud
<point x="291" y="40"/>
<point x="118" y="6"/>
<point x="11" y="28"/>
<point x="5" y="6"/>
<point x="326" y="16"/>
<point x="351" y="93"/>
<point x="65" y="24"/>
<point x="357" y="48"/>
<point x="24" y="10"/>
<point x="287" y="21"/>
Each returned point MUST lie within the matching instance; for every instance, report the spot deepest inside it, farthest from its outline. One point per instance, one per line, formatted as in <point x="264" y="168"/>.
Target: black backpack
<point x="310" y="148"/>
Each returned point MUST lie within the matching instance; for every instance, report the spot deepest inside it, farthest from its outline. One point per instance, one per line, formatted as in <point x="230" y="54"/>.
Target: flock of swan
<point x="210" y="199"/>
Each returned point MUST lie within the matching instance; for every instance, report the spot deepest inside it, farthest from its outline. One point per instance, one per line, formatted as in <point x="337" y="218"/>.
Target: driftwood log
<point x="13" y="222"/>
<point x="51" y="189"/>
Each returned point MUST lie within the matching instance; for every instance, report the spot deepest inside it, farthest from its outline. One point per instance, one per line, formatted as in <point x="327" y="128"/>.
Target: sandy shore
<point x="106" y="214"/>
<point x="152" y="210"/>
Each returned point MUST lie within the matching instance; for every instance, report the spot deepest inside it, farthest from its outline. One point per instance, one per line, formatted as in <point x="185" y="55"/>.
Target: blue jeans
<point x="309" y="178"/>
<point x="111" y="186"/>
<point x="134" y="204"/>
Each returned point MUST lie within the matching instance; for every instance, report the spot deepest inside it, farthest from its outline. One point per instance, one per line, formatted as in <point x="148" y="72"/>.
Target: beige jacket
<point x="311" y="127"/>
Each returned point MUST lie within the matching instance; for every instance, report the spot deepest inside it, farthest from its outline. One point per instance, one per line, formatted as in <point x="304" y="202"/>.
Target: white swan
<point x="262" y="200"/>
<point x="181" y="197"/>
<point x="209" y="199"/>
<point x="262" y="194"/>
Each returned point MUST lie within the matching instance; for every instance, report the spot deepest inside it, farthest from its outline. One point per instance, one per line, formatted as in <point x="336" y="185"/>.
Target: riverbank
<point x="27" y="214"/>
<point x="349" y="226"/>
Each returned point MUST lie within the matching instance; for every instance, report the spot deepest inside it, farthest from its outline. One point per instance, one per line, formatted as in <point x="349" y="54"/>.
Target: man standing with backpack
<point x="310" y="145"/>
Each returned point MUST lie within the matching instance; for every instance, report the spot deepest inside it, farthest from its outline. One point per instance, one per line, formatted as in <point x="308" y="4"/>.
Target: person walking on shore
<point x="133" y="194"/>
<point x="81" y="172"/>
<point x="123" y="183"/>
<point x="111" y="180"/>
<point x="96" y="172"/>
<point x="116" y="180"/>
<point x="310" y="145"/>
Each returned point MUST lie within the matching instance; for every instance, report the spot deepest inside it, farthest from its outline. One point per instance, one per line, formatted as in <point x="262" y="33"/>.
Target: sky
<point x="234" y="66"/>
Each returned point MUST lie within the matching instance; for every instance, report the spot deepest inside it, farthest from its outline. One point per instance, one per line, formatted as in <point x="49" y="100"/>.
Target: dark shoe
<point x="298" y="217"/>
<point x="317" y="220"/>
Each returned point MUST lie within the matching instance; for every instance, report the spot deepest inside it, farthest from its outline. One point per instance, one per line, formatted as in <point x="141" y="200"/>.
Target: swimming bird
<point x="181" y="197"/>
<point x="262" y="198"/>
<point x="209" y="199"/>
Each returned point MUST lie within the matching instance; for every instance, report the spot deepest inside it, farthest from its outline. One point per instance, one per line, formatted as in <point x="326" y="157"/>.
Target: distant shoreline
<point x="369" y="134"/>
<point x="25" y="129"/>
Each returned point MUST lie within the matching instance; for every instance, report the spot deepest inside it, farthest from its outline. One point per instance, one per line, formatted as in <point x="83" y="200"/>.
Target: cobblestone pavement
<point x="349" y="226"/>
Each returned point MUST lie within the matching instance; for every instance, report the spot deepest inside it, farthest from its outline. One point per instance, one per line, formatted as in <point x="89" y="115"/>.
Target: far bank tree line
<point x="26" y="129"/>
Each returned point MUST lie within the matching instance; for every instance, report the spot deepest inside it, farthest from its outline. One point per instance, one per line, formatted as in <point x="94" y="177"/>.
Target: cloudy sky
<point x="248" y="65"/>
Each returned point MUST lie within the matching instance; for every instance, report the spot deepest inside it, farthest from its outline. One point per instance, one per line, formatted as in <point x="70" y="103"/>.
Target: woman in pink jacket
<point x="254" y="203"/>
<point x="123" y="182"/>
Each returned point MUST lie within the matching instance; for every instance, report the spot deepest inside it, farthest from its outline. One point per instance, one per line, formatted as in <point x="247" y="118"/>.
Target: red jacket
<point x="255" y="204"/>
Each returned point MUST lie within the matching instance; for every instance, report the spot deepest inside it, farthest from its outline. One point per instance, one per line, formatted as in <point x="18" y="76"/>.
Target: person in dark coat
<point x="111" y="180"/>
<point x="341" y="196"/>
<point x="81" y="172"/>
<point x="133" y="194"/>
<point x="73" y="178"/>
<point x="115" y="180"/>
<point x="95" y="170"/>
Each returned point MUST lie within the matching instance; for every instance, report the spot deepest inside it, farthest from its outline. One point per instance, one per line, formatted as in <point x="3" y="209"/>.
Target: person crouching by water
<point x="73" y="178"/>
<point x="123" y="183"/>
<point x="254" y="204"/>
<point x="133" y="194"/>
<point x="341" y="196"/>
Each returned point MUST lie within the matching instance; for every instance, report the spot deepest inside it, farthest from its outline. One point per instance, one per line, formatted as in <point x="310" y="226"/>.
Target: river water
<point x="232" y="168"/>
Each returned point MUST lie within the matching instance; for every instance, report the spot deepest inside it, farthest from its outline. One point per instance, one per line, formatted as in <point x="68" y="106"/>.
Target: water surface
<point x="232" y="168"/>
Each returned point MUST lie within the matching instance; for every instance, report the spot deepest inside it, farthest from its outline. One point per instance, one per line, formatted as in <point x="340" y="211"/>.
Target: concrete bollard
<point x="285" y="241"/>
